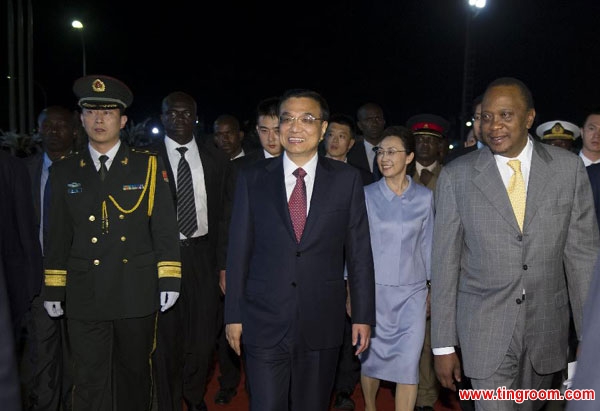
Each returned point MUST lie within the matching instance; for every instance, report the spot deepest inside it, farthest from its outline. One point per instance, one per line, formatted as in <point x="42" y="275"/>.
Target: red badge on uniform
<point x="165" y="177"/>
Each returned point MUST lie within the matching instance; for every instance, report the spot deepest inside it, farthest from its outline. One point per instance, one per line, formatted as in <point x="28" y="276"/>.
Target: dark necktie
<point x="297" y="203"/>
<point x="376" y="173"/>
<point x="46" y="217"/>
<point x="186" y="207"/>
<point x="425" y="176"/>
<point x="103" y="170"/>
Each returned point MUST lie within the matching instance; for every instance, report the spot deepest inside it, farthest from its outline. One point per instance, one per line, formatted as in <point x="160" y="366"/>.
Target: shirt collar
<point x="110" y="153"/>
<point x="172" y="145"/>
<point x="310" y="167"/>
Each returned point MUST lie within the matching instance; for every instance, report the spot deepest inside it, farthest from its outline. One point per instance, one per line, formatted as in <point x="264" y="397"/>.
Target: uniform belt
<point x="194" y="240"/>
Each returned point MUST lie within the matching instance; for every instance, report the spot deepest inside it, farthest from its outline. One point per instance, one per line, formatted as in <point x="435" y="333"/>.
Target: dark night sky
<point x="406" y="55"/>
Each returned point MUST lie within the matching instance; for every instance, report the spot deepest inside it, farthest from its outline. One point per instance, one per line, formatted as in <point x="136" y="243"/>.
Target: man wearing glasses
<point x="295" y="216"/>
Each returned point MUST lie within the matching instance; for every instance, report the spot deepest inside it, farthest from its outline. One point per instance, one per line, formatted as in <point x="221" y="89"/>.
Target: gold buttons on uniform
<point x="94" y="240"/>
<point x="125" y="261"/>
<point x="92" y="218"/>
<point x="123" y="239"/>
<point x="96" y="262"/>
<point x="121" y="217"/>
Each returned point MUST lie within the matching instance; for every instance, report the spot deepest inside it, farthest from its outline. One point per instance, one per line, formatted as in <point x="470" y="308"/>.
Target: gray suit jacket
<point x="482" y="261"/>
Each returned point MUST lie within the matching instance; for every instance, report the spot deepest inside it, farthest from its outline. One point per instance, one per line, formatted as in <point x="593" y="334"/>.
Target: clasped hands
<point x="167" y="299"/>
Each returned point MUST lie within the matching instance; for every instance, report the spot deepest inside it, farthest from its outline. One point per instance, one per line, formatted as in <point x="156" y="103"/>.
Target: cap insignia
<point x="125" y="161"/>
<point x="98" y="86"/>
<point x="81" y="163"/>
<point x="558" y="129"/>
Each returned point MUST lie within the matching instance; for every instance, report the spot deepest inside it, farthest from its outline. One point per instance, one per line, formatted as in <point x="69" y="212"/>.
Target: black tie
<point x="103" y="170"/>
<point x="46" y="211"/>
<point x="376" y="173"/>
<point x="186" y="207"/>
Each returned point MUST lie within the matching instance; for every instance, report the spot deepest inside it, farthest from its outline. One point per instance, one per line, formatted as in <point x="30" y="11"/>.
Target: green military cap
<point x="97" y="92"/>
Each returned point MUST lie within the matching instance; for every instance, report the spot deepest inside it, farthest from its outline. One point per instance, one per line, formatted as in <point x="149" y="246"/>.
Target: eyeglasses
<point x="305" y="120"/>
<point x="390" y="151"/>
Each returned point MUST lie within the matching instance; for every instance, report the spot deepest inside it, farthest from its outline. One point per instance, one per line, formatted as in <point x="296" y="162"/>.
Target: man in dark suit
<point x="20" y="248"/>
<point x="371" y="122"/>
<point x="594" y="175"/>
<point x="285" y="271"/>
<point x="45" y="371"/>
<point x="508" y="237"/>
<point x="112" y="254"/>
<point x="587" y="376"/>
<point x="187" y="334"/>
<point x="10" y="394"/>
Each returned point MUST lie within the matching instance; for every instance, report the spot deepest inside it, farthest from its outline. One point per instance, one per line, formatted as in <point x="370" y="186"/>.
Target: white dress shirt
<point x="110" y="154"/>
<point x="309" y="180"/>
<point x="193" y="158"/>
<point x="587" y="161"/>
<point x="370" y="154"/>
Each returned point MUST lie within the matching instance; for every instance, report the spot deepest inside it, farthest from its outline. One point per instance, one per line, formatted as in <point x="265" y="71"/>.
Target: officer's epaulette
<point x="144" y="151"/>
<point x="69" y="155"/>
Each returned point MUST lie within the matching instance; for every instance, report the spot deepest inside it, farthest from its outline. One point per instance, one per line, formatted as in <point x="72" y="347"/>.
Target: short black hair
<point x="345" y="120"/>
<point x="514" y="82"/>
<point x="408" y="140"/>
<point x="267" y="107"/>
<point x="300" y="92"/>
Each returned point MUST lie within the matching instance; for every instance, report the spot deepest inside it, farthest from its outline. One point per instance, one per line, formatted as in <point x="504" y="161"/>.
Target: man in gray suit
<point x="499" y="289"/>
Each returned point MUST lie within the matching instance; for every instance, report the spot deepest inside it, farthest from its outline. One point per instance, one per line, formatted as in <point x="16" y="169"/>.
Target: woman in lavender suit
<point x="401" y="226"/>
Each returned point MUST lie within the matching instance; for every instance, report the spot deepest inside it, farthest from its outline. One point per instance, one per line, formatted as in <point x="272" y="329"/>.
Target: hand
<point x="361" y="337"/>
<point x="53" y="308"/>
<point x="233" y="332"/>
<point x="222" y="282"/>
<point x="447" y="369"/>
<point x="167" y="299"/>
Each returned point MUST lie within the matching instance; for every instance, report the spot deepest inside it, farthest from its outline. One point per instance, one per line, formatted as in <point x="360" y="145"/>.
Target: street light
<point x="475" y="6"/>
<point x="77" y="25"/>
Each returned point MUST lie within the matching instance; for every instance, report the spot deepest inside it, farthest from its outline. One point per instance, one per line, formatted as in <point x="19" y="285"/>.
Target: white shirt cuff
<point x="443" y="350"/>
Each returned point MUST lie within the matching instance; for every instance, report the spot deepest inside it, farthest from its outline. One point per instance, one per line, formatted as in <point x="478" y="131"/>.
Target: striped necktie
<point x="186" y="207"/>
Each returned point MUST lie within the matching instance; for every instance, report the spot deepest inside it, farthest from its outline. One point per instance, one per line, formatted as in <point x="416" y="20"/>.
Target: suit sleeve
<point x="241" y="234"/>
<point x="165" y="233"/>
<point x="228" y="193"/>
<point x="61" y="238"/>
<point x="445" y="264"/>
<point x="359" y="261"/>
<point x="582" y="245"/>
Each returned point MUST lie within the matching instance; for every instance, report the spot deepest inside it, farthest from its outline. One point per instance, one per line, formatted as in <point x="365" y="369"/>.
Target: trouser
<point x="229" y="361"/>
<point x="187" y="332"/>
<point x="348" y="368"/>
<point x="45" y="365"/>
<point x="515" y="372"/>
<point x="429" y="387"/>
<point x="112" y="363"/>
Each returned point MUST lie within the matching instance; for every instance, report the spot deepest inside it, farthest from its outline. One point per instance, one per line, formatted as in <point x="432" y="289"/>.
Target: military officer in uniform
<point x="113" y="256"/>
<point x="558" y="133"/>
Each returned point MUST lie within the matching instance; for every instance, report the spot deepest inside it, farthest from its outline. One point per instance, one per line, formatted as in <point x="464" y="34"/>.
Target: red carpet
<point x="385" y="401"/>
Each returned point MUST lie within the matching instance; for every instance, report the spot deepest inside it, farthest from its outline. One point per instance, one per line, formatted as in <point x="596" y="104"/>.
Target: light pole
<point x="77" y="25"/>
<point x="475" y="6"/>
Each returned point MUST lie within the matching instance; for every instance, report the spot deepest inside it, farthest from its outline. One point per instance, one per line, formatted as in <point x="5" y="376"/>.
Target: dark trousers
<point x="45" y="365"/>
<point x="290" y="376"/>
<point x="187" y="332"/>
<point x="229" y="361"/>
<point x="348" y="369"/>
<point x="112" y="367"/>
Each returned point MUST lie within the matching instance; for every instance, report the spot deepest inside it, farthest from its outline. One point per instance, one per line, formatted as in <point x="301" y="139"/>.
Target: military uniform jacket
<point x="114" y="243"/>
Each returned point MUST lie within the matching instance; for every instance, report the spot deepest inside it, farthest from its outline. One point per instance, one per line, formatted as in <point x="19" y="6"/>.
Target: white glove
<point x="53" y="308"/>
<point x="167" y="299"/>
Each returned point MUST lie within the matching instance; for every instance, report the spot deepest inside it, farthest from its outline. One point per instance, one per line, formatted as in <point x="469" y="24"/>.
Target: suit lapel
<point x="540" y="174"/>
<point x="321" y="190"/>
<point x="489" y="181"/>
<point x="279" y="194"/>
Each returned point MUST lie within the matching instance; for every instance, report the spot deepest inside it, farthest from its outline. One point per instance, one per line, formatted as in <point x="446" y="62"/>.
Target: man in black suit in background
<point x="187" y="334"/>
<point x="45" y="371"/>
<point x="371" y="122"/>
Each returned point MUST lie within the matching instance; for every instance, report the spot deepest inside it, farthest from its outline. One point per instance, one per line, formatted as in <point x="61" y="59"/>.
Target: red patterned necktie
<point x="297" y="203"/>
